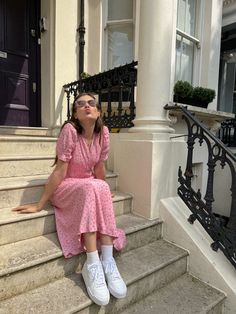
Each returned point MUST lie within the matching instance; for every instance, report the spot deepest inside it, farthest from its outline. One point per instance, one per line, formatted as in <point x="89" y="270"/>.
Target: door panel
<point x="18" y="62"/>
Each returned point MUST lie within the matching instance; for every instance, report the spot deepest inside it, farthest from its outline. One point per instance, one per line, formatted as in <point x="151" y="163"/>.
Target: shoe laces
<point x="111" y="270"/>
<point x="96" y="274"/>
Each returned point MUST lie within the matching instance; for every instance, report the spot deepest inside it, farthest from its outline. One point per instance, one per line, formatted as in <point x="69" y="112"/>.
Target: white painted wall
<point x="93" y="36"/>
<point x="66" y="51"/>
<point x="204" y="263"/>
<point x="59" y="55"/>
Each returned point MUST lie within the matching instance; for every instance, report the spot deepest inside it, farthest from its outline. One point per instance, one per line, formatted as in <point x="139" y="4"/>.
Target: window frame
<point x="105" y="26"/>
<point x="195" y="40"/>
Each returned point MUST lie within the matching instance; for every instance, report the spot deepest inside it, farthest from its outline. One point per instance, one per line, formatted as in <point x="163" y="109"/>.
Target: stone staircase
<point x="36" y="278"/>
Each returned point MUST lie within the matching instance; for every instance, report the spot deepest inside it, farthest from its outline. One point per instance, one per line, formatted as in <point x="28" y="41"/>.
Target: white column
<point x="147" y="158"/>
<point x="156" y="33"/>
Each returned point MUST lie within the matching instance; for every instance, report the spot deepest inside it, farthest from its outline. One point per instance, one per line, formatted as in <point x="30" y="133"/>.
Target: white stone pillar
<point x="156" y="34"/>
<point x="147" y="158"/>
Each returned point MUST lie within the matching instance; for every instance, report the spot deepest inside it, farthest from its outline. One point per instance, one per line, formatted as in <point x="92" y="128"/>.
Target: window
<point x="186" y="42"/>
<point x="119" y="32"/>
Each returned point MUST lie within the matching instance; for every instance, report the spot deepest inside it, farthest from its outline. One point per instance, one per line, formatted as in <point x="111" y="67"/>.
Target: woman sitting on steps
<point x="82" y="200"/>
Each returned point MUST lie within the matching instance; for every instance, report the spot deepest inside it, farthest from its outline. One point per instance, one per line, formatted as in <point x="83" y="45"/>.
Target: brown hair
<point x="75" y="122"/>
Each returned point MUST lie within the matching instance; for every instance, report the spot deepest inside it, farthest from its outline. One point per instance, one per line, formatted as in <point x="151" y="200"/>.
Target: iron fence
<point x="115" y="89"/>
<point x="223" y="233"/>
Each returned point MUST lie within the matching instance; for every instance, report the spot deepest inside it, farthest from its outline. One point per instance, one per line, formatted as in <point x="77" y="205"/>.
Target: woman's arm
<point x="99" y="171"/>
<point x="55" y="179"/>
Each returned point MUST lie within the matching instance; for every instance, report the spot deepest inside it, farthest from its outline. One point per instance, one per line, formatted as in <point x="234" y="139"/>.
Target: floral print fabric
<point x="83" y="203"/>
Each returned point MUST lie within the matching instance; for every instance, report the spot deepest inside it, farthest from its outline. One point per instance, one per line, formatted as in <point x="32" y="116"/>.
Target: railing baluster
<point x="209" y="197"/>
<point x="120" y="99"/>
<point x="132" y="103"/>
<point x="68" y="103"/>
<point x="109" y="109"/>
<point x="227" y="132"/>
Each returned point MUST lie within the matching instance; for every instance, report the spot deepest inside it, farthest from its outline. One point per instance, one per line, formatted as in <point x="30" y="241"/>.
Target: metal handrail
<point x="223" y="232"/>
<point x="195" y="120"/>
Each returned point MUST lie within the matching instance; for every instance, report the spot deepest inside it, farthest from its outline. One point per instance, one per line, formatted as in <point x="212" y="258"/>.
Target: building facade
<point x="192" y="40"/>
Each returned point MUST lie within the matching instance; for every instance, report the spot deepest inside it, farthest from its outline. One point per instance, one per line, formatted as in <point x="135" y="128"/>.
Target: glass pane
<point x="184" y="59"/>
<point x="186" y="16"/>
<point x="190" y="17"/>
<point x="181" y="14"/>
<point x="120" y="9"/>
<point x="120" y="44"/>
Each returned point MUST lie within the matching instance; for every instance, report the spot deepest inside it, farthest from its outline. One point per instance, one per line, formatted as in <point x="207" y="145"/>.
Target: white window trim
<point x="195" y="40"/>
<point x="117" y="22"/>
<point x="106" y="23"/>
<point x="189" y="37"/>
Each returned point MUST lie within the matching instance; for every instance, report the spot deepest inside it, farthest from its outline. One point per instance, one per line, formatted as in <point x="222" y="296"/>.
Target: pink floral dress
<point x="83" y="203"/>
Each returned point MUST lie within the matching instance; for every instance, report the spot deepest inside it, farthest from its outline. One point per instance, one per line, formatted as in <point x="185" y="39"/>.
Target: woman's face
<point x="86" y="109"/>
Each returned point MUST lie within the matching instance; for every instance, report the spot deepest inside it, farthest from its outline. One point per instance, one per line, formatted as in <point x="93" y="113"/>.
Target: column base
<point x="147" y="165"/>
<point x="151" y="126"/>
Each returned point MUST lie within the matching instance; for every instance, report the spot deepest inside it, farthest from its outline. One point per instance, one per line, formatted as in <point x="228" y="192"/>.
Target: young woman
<point x="82" y="200"/>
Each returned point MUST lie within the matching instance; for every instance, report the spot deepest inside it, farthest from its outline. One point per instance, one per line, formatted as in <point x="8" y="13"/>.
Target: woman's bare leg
<point x="90" y="241"/>
<point x="106" y="240"/>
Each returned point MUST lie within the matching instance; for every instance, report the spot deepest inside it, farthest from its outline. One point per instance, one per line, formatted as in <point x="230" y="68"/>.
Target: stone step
<point x="26" y="131"/>
<point x="14" y="145"/>
<point x="16" y="227"/>
<point x="28" y="189"/>
<point x="33" y="262"/>
<point x="16" y="166"/>
<point x="144" y="269"/>
<point x="185" y="295"/>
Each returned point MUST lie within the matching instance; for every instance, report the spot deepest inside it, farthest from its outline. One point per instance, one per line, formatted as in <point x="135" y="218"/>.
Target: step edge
<point x="22" y="138"/>
<point x="38" y="261"/>
<point x="172" y="260"/>
<point x="22" y="181"/>
<point x="145" y="225"/>
<point x="89" y="302"/>
<point x="25" y="157"/>
<point x="49" y="211"/>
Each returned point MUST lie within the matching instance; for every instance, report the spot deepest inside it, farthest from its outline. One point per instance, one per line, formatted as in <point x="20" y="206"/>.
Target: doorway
<point x="20" y="63"/>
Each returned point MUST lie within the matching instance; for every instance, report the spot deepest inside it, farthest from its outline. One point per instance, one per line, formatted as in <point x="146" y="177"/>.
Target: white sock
<point x="107" y="252"/>
<point x="92" y="257"/>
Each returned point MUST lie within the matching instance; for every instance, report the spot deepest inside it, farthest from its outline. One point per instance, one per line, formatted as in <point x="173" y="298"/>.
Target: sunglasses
<point x="82" y="103"/>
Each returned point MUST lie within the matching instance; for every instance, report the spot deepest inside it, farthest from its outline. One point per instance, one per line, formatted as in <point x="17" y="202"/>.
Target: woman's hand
<point x="27" y="208"/>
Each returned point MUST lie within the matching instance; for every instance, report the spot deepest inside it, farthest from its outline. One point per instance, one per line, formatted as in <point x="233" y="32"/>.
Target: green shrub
<point x="203" y="95"/>
<point x="183" y="89"/>
<point x="84" y="75"/>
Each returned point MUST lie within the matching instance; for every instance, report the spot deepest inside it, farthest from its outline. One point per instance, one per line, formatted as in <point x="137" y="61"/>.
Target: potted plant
<point x="201" y="96"/>
<point x="84" y="75"/>
<point x="183" y="92"/>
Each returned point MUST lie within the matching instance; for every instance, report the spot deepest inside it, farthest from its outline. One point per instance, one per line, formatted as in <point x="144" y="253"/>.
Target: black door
<point x="19" y="62"/>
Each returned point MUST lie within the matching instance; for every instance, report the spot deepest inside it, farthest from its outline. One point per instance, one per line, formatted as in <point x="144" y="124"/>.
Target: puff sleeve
<point x="66" y="142"/>
<point x="105" y="144"/>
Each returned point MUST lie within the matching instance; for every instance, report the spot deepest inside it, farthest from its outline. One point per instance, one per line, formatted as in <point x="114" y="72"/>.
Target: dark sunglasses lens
<point x="92" y="102"/>
<point x="81" y="103"/>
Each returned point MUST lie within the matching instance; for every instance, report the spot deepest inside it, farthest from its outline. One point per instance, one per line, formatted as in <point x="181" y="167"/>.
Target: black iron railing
<point x="115" y="89"/>
<point x="227" y="132"/>
<point x="223" y="234"/>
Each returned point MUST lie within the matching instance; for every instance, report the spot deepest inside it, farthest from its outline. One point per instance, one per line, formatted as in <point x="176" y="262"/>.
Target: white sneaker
<point x="115" y="283"/>
<point x="95" y="283"/>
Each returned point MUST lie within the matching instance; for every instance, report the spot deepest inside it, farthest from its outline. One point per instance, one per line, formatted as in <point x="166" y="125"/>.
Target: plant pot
<point x="182" y="100"/>
<point x="198" y="103"/>
<point x="190" y="101"/>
